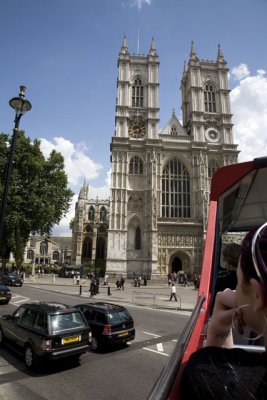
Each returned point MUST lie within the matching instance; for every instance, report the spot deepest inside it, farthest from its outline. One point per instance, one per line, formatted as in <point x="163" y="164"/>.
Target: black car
<point x="46" y="331"/>
<point x="111" y="324"/>
<point x="5" y="294"/>
<point x="12" y="279"/>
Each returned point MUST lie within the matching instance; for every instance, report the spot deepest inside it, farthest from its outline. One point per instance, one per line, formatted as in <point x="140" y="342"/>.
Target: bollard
<point x="80" y="289"/>
<point x="109" y="294"/>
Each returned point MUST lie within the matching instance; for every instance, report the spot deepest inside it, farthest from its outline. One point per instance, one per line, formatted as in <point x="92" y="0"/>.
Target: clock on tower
<point x="137" y="127"/>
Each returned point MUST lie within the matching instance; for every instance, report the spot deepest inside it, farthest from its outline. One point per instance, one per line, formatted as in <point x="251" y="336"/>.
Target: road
<point x="125" y="373"/>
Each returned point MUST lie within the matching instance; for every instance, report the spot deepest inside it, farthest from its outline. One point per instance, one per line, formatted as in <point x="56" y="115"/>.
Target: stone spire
<point x="220" y="57"/>
<point x="84" y="190"/>
<point x="153" y="51"/>
<point x="124" y="47"/>
<point x="193" y="54"/>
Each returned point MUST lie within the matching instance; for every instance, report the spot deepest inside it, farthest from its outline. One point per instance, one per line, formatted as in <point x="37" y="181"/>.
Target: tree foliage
<point x="38" y="196"/>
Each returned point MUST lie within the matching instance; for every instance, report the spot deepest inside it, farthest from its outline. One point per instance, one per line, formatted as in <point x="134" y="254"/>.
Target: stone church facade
<point x="160" y="181"/>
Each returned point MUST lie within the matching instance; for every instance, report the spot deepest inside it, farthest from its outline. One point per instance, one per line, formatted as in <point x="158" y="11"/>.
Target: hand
<point x="220" y="326"/>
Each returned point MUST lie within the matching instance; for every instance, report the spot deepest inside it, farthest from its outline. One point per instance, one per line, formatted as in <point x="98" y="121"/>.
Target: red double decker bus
<point x="238" y="203"/>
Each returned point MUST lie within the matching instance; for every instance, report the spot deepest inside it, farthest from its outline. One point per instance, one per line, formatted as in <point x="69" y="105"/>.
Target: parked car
<point x="12" y="279"/>
<point x="5" y="294"/>
<point x="46" y="331"/>
<point x="111" y="324"/>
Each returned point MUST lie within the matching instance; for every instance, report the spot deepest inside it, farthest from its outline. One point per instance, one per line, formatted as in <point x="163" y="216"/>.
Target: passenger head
<point x="253" y="259"/>
<point x="231" y="254"/>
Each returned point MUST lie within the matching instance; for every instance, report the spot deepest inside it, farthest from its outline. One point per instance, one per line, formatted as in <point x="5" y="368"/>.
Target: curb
<point x="106" y="298"/>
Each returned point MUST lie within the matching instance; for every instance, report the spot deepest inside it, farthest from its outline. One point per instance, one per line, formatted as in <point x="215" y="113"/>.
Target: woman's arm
<point x="220" y="326"/>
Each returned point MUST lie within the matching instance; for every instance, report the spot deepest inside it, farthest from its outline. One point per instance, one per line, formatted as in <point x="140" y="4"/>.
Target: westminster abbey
<point x="155" y="219"/>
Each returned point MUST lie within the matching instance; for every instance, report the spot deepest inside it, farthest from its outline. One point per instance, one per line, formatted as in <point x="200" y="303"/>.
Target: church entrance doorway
<point x="176" y="265"/>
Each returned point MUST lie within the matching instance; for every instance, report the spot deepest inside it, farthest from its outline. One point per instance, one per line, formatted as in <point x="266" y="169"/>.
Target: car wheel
<point x="1" y="336"/>
<point x="95" y="344"/>
<point x="29" y="357"/>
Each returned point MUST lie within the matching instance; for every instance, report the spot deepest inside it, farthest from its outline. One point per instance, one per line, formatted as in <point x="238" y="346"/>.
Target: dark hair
<point x="246" y="261"/>
<point x="231" y="254"/>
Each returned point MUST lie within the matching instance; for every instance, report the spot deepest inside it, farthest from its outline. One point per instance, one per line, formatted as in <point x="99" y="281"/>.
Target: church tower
<point x="132" y="235"/>
<point x="160" y="179"/>
<point x="207" y="120"/>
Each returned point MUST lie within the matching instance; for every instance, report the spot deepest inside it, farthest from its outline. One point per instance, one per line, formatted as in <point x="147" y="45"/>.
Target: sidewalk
<point x="155" y="295"/>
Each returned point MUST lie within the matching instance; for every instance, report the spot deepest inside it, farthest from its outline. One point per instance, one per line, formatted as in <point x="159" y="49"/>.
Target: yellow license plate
<point x="70" y="339"/>
<point x="2" y="298"/>
<point x="124" y="334"/>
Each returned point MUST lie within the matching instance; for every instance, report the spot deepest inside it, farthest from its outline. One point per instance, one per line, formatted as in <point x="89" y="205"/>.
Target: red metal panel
<point x="196" y="339"/>
<point x="227" y="176"/>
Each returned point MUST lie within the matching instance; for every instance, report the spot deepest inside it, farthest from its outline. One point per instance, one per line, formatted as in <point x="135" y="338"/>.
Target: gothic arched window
<point x="175" y="191"/>
<point x="100" y="248"/>
<point x="209" y="98"/>
<point x="30" y="255"/>
<point x="91" y="214"/>
<point x="138" y="238"/>
<point x="137" y="93"/>
<point x="87" y="248"/>
<point x="136" y="166"/>
<point x="43" y="248"/>
<point x="103" y="214"/>
<point x="212" y="167"/>
<point x="55" y="255"/>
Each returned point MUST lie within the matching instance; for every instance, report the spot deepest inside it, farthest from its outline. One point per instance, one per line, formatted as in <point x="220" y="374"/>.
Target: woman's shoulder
<point x="215" y="372"/>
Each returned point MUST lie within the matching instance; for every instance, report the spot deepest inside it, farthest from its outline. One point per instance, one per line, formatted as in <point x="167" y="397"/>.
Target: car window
<point x="28" y="318"/>
<point x="91" y="315"/>
<point x="100" y="318"/>
<point x="118" y="317"/>
<point x="87" y="313"/>
<point x="68" y="321"/>
<point x="40" y="323"/>
<point x="18" y="313"/>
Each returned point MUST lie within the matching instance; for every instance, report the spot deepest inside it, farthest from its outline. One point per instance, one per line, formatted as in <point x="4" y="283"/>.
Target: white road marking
<point x="21" y="301"/>
<point x="155" y="351"/>
<point x="160" y="347"/>
<point x="152" y="334"/>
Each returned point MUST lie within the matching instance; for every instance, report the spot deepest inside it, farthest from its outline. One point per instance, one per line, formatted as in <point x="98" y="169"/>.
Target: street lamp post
<point x="20" y="105"/>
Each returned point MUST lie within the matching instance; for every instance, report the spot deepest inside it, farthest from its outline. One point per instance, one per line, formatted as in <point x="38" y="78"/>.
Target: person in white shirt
<point x="173" y="293"/>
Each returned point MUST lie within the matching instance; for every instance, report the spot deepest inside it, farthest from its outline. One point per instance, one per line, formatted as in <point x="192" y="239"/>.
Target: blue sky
<point x="65" y="52"/>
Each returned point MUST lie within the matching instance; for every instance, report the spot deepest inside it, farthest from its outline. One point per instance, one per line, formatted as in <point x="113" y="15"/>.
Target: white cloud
<point x="240" y="72"/>
<point x="140" y="3"/>
<point x="249" y="108"/>
<point x="77" y="163"/>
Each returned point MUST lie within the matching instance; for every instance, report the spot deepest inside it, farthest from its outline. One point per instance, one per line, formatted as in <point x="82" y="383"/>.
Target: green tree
<point x="71" y="224"/>
<point x="38" y="196"/>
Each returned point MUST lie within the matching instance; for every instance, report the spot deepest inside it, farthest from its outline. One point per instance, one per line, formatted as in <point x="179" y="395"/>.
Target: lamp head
<point x="20" y="104"/>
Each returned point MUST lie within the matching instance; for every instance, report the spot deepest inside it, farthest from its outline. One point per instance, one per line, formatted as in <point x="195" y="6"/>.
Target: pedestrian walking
<point x="173" y="292"/>
<point x="106" y="279"/>
<point x="118" y="284"/>
<point x="122" y="283"/>
<point x="185" y="280"/>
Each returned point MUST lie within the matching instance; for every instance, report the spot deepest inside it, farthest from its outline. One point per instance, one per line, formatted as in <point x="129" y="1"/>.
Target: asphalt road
<point x="125" y="373"/>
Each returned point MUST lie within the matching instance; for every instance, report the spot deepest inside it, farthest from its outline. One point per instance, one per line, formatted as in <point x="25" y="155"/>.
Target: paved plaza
<point x="153" y="295"/>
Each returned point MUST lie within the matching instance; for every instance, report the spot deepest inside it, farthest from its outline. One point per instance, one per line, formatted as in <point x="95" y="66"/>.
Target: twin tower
<point x="155" y="220"/>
